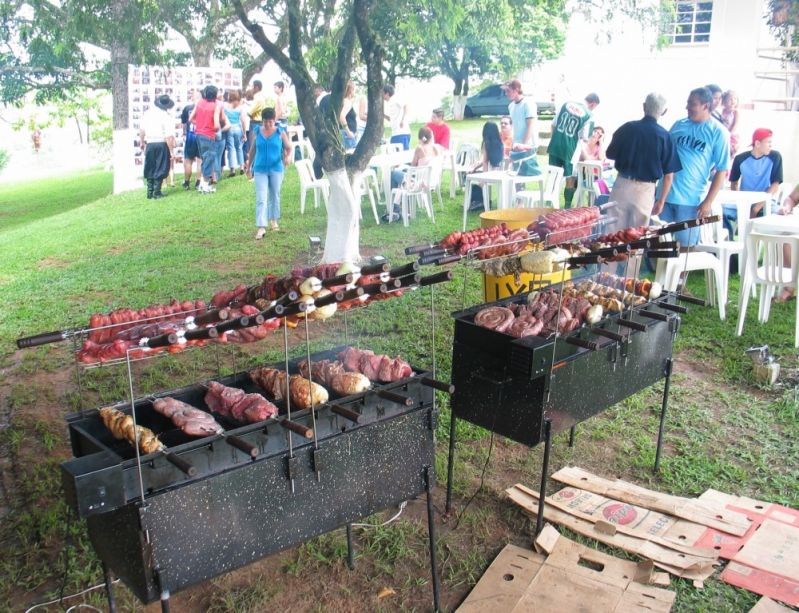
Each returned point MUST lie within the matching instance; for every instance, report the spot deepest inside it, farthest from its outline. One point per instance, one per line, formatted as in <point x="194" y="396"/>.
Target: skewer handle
<point x="634" y="325"/>
<point x="42" y="339"/>
<point x="329" y="299"/>
<point x="297" y="428"/>
<point x="184" y="467"/>
<point x="352" y="294"/>
<point x="212" y="316"/>
<point x="393" y="397"/>
<point x="200" y="334"/>
<point x="691" y="299"/>
<point x="581" y="342"/>
<point x="339" y="280"/>
<point x="164" y="340"/>
<point x="441" y="386"/>
<point x="619" y="338"/>
<point x="353" y="416"/>
<point x="413" y="249"/>
<point x="433" y="251"/>
<point x="677" y="308"/>
<point x="293" y="309"/>
<point x="436" y="278"/>
<point x="375" y="288"/>
<point x="410" y="280"/>
<point x="287" y="298"/>
<point x="374" y="269"/>
<point x="448" y="259"/>
<point x="653" y="315"/>
<point x="242" y="445"/>
<point x="673" y="253"/>
<point x="407" y="269"/>
<point x="234" y="324"/>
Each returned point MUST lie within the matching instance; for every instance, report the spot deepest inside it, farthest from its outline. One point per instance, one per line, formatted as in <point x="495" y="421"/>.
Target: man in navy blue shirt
<point x="758" y="170"/>
<point x="644" y="153"/>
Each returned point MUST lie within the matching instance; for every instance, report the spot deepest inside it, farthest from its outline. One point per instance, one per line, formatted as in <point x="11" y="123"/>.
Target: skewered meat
<point x="304" y="393"/>
<point x="192" y="421"/>
<point x="235" y="403"/>
<point x="107" y="326"/>
<point x="375" y="367"/>
<point x="560" y="226"/>
<point x="121" y="427"/>
<point x="332" y="374"/>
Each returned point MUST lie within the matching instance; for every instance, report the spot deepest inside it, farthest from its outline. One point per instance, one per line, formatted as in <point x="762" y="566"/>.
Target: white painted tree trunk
<point x="458" y="104"/>
<point x="343" y="226"/>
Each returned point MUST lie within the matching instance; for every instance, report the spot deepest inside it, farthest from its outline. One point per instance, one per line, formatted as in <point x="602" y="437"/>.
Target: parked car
<point x="493" y="101"/>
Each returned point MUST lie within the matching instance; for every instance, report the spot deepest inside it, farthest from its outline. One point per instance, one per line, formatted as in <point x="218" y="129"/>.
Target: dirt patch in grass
<point x="52" y="262"/>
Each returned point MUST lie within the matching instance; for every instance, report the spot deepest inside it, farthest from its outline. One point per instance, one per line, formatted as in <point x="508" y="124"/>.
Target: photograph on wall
<point x="146" y="83"/>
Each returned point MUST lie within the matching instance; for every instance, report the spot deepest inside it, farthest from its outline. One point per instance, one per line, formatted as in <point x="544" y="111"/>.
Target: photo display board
<point x="146" y="83"/>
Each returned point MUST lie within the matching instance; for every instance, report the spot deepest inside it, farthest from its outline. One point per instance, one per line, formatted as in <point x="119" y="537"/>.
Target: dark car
<point x="493" y="101"/>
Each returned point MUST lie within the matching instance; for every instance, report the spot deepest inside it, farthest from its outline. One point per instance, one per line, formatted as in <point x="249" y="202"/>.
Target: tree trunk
<point x="458" y="106"/>
<point x="120" y="58"/>
<point x="343" y="229"/>
<point x="201" y="53"/>
<point x="80" y="132"/>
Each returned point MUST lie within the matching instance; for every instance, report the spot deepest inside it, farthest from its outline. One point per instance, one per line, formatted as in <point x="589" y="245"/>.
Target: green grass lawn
<point x="26" y="202"/>
<point x="67" y="249"/>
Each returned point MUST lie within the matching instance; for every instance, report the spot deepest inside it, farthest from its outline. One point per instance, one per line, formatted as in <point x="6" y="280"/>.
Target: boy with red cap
<point x="757" y="170"/>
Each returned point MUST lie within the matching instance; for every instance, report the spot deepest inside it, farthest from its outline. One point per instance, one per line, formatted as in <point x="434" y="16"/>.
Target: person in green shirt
<point x="567" y="129"/>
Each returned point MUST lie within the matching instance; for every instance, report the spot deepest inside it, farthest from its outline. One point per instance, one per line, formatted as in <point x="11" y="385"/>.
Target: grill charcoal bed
<point x="240" y="503"/>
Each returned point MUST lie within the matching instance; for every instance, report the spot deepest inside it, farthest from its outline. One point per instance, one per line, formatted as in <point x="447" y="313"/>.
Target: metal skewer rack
<point x="394" y="280"/>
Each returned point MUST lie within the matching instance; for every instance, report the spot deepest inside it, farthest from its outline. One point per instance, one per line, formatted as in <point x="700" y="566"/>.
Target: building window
<point x="691" y="23"/>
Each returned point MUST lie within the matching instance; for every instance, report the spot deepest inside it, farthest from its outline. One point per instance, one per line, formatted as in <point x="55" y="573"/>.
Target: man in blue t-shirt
<point x="703" y="146"/>
<point x="758" y="170"/>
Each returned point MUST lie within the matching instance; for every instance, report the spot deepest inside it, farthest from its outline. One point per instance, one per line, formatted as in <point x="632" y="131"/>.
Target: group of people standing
<point x="253" y="134"/>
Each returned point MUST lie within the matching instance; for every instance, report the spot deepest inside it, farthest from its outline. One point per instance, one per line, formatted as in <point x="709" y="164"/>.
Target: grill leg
<point x="572" y="430"/>
<point x="663" y="408"/>
<point x="350" y="549"/>
<point x="109" y="589"/>
<point x="165" y="601"/>
<point x="542" y="491"/>
<point x="431" y="531"/>
<point x="450" y="461"/>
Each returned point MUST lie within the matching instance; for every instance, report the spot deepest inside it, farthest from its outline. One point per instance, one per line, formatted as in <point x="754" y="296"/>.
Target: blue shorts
<point x="403" y="139"/>
<point x="190" y="148"/>
<point x="676" y="212"/>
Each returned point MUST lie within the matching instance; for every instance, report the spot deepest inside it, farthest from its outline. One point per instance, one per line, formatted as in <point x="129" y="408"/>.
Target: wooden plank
<point x="703" y="512"/>
<point x="767" y="605"/>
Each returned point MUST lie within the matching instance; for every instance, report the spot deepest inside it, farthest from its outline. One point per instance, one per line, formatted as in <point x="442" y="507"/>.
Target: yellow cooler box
<point x="495" y="288"/>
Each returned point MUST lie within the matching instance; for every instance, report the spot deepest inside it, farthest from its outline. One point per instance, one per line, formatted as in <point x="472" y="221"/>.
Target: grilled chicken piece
<point x="191" y="420"/>
<point x="121" y="426"/>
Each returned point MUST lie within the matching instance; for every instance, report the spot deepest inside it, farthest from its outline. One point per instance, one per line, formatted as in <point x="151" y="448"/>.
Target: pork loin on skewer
<point x="304" y="393"/>
<point x="331" y="373"/>
<point x="191" y="420"/>
<point x="375" y="367"/>
<point x="235" y="403"/>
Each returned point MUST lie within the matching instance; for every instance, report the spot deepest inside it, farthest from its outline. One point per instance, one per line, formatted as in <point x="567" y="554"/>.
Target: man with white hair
<point x="644" y="153"/>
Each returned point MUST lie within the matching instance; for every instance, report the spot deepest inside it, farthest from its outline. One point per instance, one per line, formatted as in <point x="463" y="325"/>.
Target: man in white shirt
<point x="157" y="136"/>
<point x="396" y="110"/>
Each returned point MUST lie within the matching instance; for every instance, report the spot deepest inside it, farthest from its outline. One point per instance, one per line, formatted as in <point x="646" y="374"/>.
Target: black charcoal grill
<point x="527" y="388"/>
<point x="209" y="505"/>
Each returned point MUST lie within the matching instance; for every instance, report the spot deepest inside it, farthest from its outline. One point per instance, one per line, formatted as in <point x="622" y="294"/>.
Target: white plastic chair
<point x="668" y="271"/>
<point x="391" y="148"/>
<point x="414" y="192"/>
<point x="465" y="158"/>
<point x="436" y="172"/>
<point x="309" y="182"/>
<point x="773" y="274"/>
<point x="553" y="179"/>
<point x="713" y="239"/>
<point x="361" y="188"/>
<point x="587" y="173"/>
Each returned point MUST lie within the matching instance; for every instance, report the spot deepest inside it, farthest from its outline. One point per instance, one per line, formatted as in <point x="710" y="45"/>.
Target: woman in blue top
<point x="235" y="135"/>
<point x="269" y="154"/>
